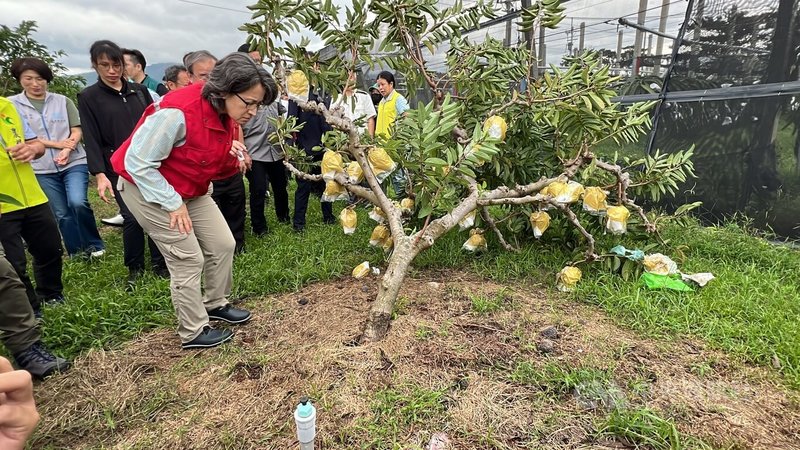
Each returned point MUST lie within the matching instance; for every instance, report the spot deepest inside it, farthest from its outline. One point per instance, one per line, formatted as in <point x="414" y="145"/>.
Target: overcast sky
<point x="164" y="30"/>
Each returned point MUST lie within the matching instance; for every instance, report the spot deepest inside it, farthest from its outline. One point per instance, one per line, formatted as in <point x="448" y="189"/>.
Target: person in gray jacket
<point x="62" y="172"/>
<point x="267" y="159"/>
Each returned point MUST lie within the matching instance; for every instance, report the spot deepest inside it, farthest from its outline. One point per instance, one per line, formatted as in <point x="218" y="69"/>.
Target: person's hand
<point x="103" y="186"/>
<point x="180" y="219"/>
<point x="247" y="164"/>
<point x="62" y="157"/>
<point x="69" y="143"/>
<point x="22" y="152"/>
<point x="238" y="150"/>
<point x="18" y="415"/>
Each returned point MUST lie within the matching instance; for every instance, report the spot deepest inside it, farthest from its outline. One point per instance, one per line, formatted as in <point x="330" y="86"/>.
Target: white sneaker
<point x="98" y="253"/>
<point x="115" y="221"/>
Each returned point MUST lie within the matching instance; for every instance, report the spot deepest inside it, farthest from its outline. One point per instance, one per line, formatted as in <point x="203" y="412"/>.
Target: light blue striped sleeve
<point x="401" y="104"/>
<point x="152" y="143"/>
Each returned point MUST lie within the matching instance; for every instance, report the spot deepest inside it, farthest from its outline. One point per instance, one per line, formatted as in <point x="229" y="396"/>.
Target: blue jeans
<point x="66" y="192"/>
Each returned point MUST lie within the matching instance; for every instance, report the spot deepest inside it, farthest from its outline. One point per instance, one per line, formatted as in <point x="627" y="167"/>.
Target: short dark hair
<point x="171" y="73"/>
<point x="237" y="73"/>
<point x="136" y="56"/>
<point x="108" y="49"/>
<point x="35" y="64"/>
<point x="244" y="48"/>
<point x="386" y="75"/>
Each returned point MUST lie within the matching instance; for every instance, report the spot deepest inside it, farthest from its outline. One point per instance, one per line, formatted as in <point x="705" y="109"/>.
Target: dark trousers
<point x="38" y="227"/>
<point x="18" y="329"/>
<point x="133" y="236"/>
<point x="261" y="174"/>
<point x="304" y="190"/>
<point x="230" y="198"/>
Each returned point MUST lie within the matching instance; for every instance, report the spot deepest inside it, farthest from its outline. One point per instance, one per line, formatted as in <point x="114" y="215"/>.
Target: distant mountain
<point x="156" y="72"/>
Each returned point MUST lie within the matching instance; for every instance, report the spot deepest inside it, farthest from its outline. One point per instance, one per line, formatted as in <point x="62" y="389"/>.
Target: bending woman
<point x="165" y="169"/>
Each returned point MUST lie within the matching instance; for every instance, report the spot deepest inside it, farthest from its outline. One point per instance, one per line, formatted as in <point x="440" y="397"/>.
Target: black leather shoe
<point x="329" y="220"/>
<point x="229" y="314"/>
<point x="37" y="360"/>
<point x="210" y="337"/>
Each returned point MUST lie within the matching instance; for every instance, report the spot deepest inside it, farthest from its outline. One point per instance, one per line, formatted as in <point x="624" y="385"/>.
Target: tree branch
<point x="489" y="221"/>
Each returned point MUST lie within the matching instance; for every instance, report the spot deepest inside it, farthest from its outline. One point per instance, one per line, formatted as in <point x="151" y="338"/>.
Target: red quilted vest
<point x="203" y="157"/>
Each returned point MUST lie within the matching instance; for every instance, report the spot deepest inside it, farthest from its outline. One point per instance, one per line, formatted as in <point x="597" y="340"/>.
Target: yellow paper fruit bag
<point x="297" y="84"/>
<point x="361" y="270"/>
<point x="495" y="127"/>
<point x="617" y="219"/>
<point x="377" y="215"/>
<point x="331" y="165"/>
<point x="381" y="163"/>
<point x="476" y="242"/>
<point x="349" y="220"/>
<point x="333" y="192"/>
<point x="407" y="205"/>
<point x="540" y="221"/>
<point x="594" y="200"/>
<point x="354" y="172"/>
<point x="568" y="278"/>
<point x="379" y="235"/>
<point x="467" y="222"/>
<point x="660" y="264"/>
<point x="388" y="244"/>
<point x="554" y="189"/>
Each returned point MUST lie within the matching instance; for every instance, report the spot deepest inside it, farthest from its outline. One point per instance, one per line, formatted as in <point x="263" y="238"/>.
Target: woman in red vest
<point x="166" y="167"/>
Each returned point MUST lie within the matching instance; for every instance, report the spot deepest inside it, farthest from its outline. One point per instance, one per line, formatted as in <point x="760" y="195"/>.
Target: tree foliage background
<point x="18" y="42"/>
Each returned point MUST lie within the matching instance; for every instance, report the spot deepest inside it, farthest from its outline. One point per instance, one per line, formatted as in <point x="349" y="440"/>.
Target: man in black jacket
<point x="310" y="136"/>
<point x="109" y="111"/>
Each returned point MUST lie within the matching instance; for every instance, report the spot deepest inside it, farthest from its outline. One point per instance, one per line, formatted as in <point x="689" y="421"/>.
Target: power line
<point x="216" y="6"/>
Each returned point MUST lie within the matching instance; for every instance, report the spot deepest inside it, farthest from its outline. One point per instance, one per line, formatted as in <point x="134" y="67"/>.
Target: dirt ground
<point x="448" y="365"/>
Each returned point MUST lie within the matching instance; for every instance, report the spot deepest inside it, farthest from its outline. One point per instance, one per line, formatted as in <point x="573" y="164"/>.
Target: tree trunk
<point x="380" y="316"/>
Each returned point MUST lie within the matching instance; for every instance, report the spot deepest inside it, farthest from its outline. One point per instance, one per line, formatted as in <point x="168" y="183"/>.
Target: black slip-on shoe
<point x="210" y="337"/>
<point x="229" y="314"/>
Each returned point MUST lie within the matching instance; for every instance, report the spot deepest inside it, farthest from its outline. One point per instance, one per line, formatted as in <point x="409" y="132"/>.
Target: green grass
<point x="644" y="428"/>
<point x="750" y="310"/>
<point x="395" y="412"/>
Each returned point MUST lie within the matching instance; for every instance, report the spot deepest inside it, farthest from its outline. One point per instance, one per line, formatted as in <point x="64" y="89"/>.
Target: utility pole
<point x="637" y="46"/>
<point x="619" y="49"/>
<point x="662" y="28"/>
<point x="571" y="38"/>
<point x="507" y="41"/>
<point x="580" y="40"/>
<point x="542" y="48"/>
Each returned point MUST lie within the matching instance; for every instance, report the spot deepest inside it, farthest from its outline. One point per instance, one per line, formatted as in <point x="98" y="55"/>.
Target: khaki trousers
<point x="206" y="250"/>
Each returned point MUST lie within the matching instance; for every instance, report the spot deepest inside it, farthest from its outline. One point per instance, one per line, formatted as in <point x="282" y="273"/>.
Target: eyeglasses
<point x="106" y="66"/>
<point x="249" y="105"/>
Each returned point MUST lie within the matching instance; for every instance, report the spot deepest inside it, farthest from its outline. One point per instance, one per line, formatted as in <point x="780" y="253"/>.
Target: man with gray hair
<point x="229" y="193"/>
<point x="199" y="64"/>
<point x="176" y="77"/>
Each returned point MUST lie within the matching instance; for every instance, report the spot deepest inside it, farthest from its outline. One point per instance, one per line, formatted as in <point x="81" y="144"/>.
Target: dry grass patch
<point x="465" y="356"/>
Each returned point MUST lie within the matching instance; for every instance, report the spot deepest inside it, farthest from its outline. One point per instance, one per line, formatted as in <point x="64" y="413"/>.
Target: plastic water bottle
<point x="305" y="417"/>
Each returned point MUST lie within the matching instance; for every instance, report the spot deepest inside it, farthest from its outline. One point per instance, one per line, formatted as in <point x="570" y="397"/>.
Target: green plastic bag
<point x="653" y="281"/>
